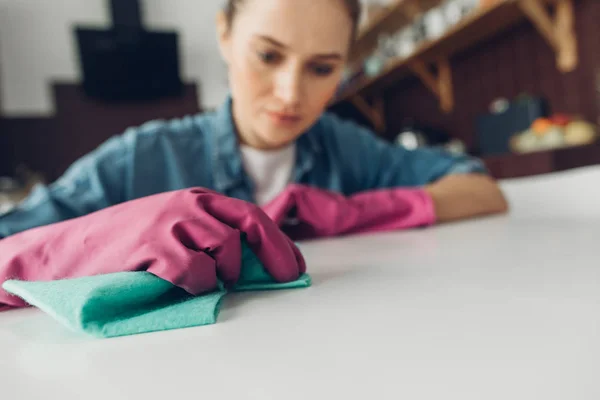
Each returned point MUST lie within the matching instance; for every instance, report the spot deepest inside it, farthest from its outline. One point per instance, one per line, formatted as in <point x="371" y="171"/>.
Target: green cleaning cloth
<point x="130" y="303"/>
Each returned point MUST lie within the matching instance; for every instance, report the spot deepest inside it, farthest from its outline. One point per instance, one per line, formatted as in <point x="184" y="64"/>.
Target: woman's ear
<point x="223" y="36"/>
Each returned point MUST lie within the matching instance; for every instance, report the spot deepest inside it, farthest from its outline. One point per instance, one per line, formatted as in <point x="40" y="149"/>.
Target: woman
<point x="285" y="60"/>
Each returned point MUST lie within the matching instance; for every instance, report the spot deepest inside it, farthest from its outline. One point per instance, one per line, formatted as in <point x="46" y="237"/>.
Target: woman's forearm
<point x="457" y="197"/>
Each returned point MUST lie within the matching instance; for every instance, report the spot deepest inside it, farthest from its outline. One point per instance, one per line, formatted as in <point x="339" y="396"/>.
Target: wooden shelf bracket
<point x="558" y="31"/>
<point x="375" y="113"/>
<point x="440" y="84"/>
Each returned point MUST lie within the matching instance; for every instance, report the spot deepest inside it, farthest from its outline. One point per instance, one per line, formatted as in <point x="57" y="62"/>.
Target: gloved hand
<point x="305" y="212"/>
<point x="191" y="238"/>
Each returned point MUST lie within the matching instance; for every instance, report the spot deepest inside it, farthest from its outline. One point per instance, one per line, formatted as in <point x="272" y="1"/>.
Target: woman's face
<point x="285" y="59"/>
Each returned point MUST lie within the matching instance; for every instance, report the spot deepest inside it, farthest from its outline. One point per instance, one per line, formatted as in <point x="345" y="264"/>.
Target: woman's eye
<point x="322" y="70"/>
<point x="268" y="57"/>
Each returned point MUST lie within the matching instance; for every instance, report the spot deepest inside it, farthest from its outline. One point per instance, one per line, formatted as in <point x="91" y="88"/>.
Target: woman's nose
<point x="288" y="86"/>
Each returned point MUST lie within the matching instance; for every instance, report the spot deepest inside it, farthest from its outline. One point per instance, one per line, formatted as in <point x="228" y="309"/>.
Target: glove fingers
<point x="272" y="247"/>
<point x="206" y="234"/>
<point x="196" y="272"/>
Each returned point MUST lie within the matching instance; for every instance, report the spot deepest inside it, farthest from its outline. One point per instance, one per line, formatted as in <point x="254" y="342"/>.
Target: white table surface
<point x="499" y="308"/>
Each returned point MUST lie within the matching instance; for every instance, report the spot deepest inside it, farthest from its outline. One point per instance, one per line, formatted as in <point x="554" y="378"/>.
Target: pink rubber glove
<point x="190" y="238"/>
<point x="320" y="213"/>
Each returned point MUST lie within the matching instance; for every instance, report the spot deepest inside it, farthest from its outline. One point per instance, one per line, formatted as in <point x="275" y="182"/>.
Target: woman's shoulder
<point x="331" y="123"/>
<point x="332" y="129"/>
<point x="186" y="126"/>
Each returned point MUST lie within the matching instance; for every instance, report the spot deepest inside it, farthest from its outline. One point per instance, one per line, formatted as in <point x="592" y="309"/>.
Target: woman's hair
<point x="352" y="6"/>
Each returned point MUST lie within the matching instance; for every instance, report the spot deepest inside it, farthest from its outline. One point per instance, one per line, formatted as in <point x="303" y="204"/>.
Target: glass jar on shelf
<point x="386" y="50"/>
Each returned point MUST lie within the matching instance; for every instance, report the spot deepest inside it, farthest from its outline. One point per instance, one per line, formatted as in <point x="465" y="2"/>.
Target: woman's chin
<point x="275" y="143"/>
<point x="273" y="137"/>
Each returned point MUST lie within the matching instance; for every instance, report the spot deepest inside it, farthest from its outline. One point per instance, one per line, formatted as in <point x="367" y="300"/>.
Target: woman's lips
<point x="283" y="118"/>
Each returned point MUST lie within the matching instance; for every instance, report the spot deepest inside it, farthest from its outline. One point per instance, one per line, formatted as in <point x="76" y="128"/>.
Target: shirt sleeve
<point x="373" y="163"/>
<point x="95" y="181"/>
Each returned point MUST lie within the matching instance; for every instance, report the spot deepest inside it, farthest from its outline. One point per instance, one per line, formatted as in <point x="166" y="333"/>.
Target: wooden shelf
<point x="518" y="165"/>
<point x="399" y="13"/>
<point x="475" y="28"/>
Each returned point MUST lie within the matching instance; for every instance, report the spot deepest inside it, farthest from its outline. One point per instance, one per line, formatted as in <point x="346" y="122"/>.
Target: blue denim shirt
<point x="203" y="150"/>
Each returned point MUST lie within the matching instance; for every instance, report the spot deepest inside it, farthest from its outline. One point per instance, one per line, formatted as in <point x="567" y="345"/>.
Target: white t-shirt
<point x="270" y="170"/>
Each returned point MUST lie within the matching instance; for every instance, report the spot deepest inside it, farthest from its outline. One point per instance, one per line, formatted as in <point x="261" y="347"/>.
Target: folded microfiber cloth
<point x="190" y="238"/>
<point x="129" y="303"/>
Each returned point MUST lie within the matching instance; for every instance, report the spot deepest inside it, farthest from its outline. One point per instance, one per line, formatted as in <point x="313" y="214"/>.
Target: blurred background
<point x="515" y="82"/>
